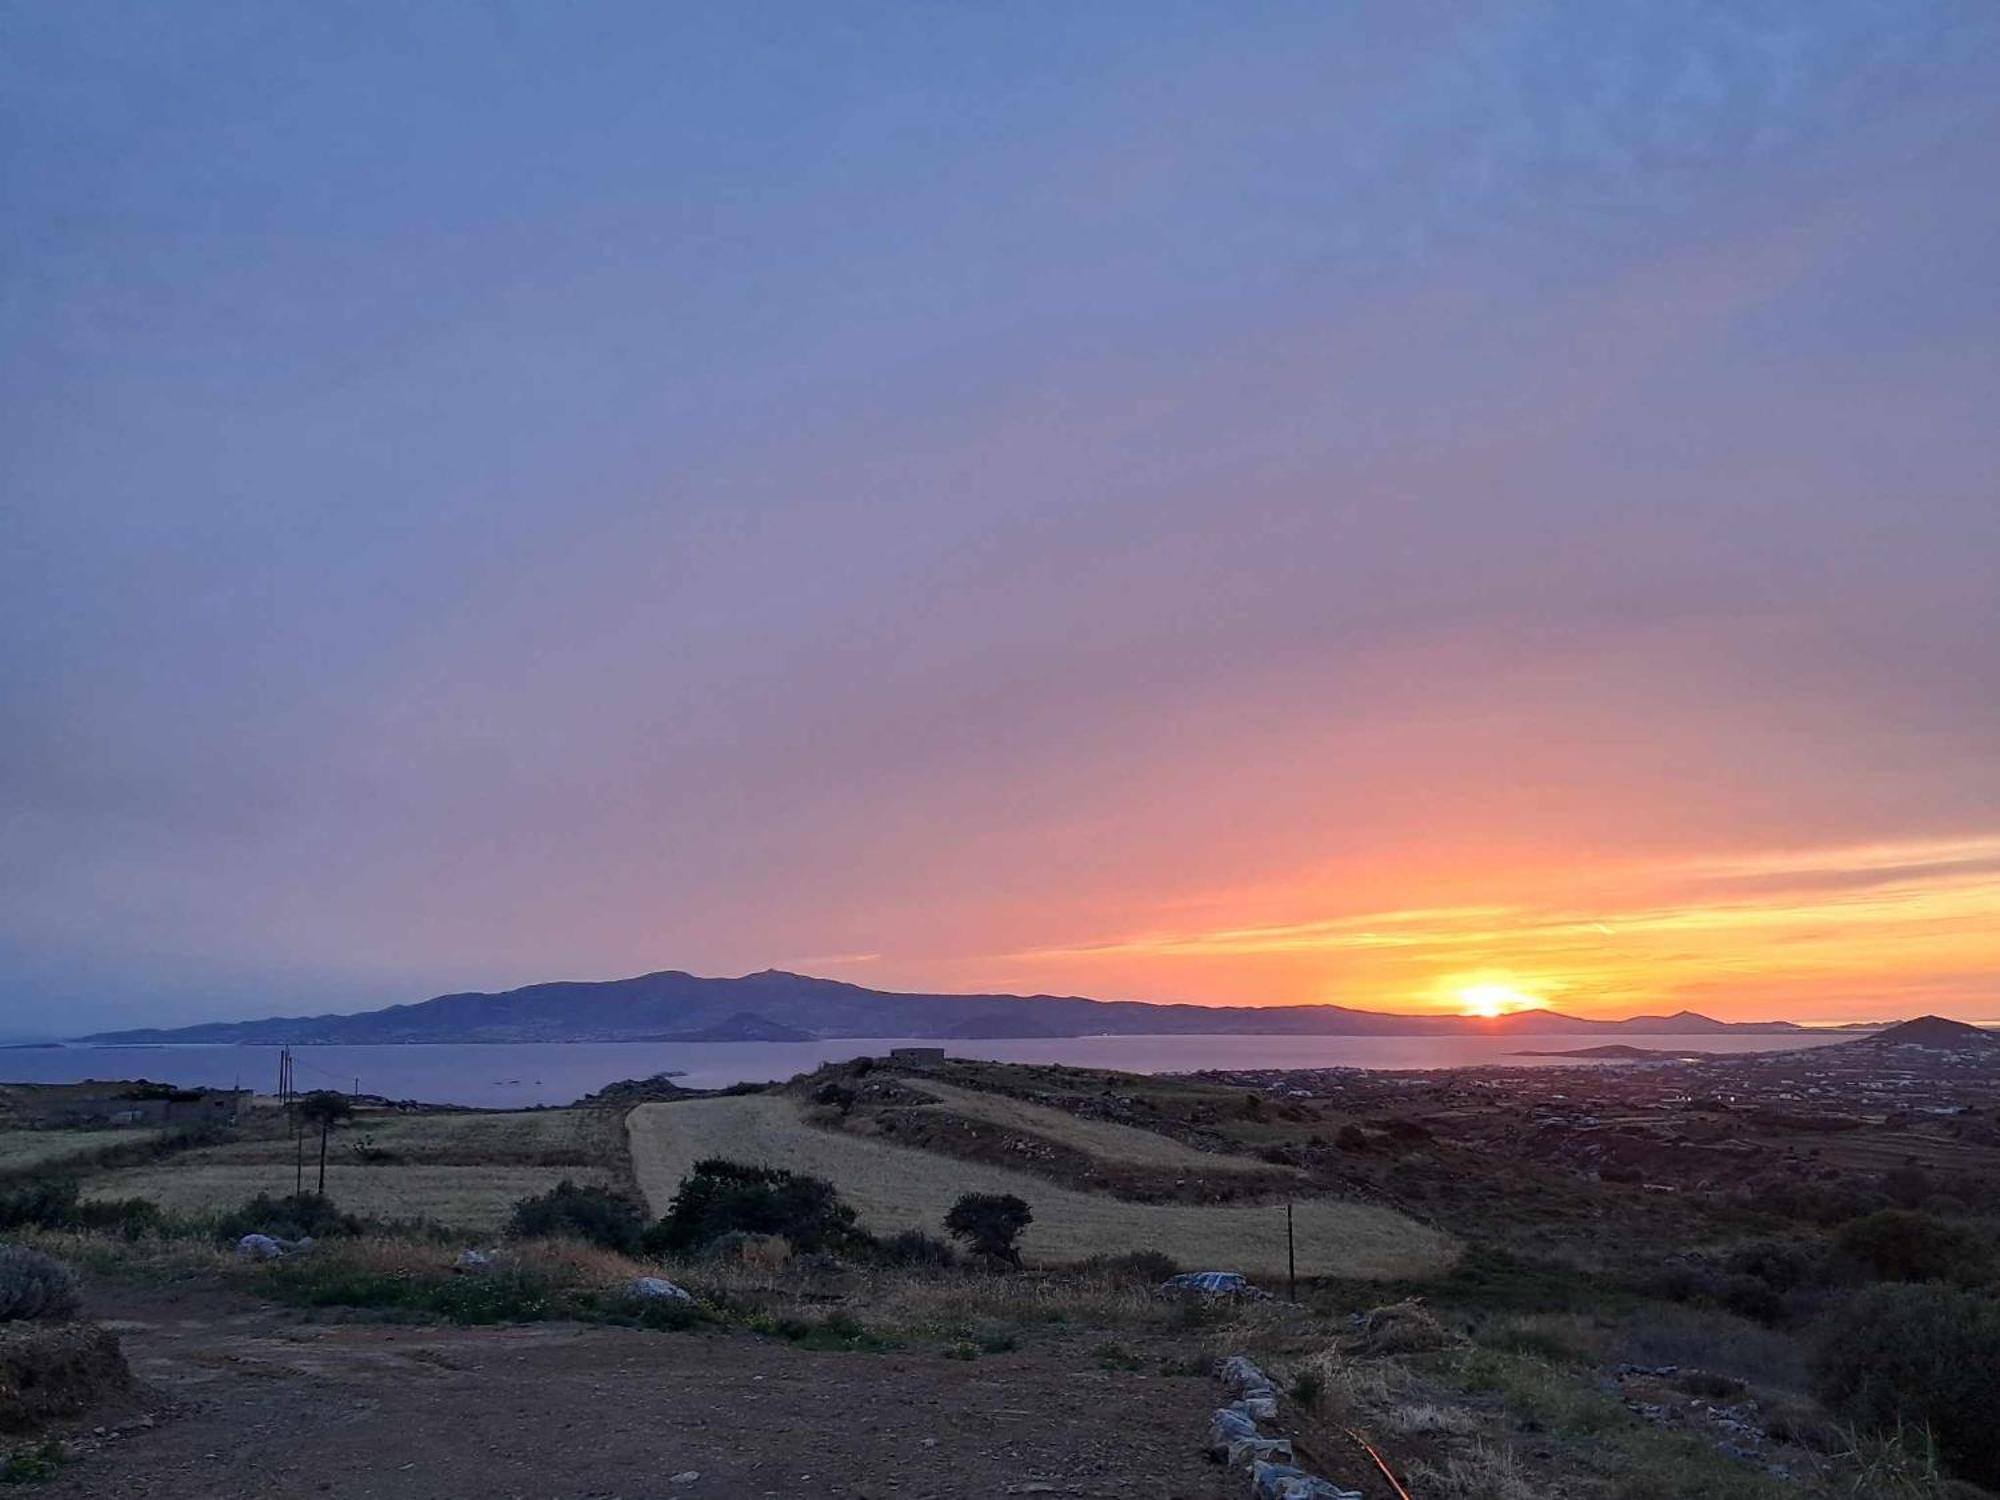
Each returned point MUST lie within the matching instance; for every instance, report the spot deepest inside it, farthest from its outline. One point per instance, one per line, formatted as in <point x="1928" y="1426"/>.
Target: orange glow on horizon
<point x="1493" y="1000"/>
<point x="1835" y="933"/>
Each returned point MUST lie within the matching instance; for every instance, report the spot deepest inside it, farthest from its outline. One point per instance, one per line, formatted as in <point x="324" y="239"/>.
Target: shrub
<point x="130" y="1217"/>
<point x="596" y="1215"/>
<point x="39" y="1205"/>
<point x="991" y="1223"/>
<point x="33" y="1285"/>
<point x="1918" y="1356"/>
<point x="1898" y="1245"/>
<point x="835" y="1096"/>
<point x="1906" y="1186"/>
<point x="718" y="1196"/>
<point x="912" y="1247"/>
<point x="301" y="1216"/>
<point x="1782" y="1265"/>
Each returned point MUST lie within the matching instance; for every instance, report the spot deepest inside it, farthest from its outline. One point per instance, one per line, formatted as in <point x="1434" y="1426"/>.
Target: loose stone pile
<point x="1234" y="1439"/>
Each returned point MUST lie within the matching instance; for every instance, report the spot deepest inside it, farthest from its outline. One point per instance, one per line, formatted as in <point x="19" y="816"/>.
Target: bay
<point x="502" y="1075"/>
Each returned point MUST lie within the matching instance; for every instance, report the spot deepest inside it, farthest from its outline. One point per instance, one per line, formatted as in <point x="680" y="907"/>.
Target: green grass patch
<point x="835" y="1331"/>
<point x="34" y="1465"/>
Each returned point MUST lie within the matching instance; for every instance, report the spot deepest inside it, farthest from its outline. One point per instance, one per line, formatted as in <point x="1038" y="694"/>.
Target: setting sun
<point x="1491" y="1000"/>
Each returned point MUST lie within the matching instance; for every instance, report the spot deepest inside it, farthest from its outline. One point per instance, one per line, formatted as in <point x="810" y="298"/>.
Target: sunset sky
<point x="1242" y="503"/>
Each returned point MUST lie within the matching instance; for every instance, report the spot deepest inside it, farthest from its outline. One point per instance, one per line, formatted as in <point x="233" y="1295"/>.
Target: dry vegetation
<point x="1124" y="1144"/>
<point x="40" y="1150"/>
<point x="893" y="1188"/>
<point x="462" y="1170"/>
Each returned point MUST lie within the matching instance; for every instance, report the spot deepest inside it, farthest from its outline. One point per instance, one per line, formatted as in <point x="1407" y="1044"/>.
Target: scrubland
<point x="1488" y="1326"/>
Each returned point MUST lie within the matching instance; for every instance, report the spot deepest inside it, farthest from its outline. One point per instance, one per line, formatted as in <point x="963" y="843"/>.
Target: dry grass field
<point x="464" y="1170"/>
<point x="473" y="1198"/>
<point x="896" y="1188"/>
<point x="1099" y="1138"/>
<point x="26" y="1150"/>
<point x="550" y="1137"/>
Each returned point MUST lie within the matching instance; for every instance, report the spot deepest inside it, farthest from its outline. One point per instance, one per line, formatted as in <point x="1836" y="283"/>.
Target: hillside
<point x="1938" y="1032"/>
<point x="670" y="1005"/>
<point x="676" y="1006"/>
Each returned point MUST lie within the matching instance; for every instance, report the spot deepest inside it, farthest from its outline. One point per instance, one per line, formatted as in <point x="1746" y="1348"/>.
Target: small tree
<point x="720" y="1196"/>
<point x="324" y="1109"/>
<point x="990" y="1223"/>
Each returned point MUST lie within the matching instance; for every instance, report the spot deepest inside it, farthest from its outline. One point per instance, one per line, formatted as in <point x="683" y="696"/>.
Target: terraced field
<point x="893" y="1188"/>
<point x="1099" y="1138"/>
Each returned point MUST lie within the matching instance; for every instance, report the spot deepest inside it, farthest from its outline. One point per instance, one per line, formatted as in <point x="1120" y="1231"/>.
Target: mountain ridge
<point x="672" y="1004"/>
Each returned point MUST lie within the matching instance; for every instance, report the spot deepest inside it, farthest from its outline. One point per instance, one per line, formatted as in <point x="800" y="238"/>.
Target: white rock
<point x="259" y="1247"/>
<point x="659" y="1286"/>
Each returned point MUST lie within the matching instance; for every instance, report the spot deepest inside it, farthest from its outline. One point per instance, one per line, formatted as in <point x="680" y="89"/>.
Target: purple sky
<point x="1112" y="499"/>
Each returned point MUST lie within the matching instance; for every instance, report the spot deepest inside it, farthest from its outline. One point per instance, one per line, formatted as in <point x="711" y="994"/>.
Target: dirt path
<point x="255" y="1403"/>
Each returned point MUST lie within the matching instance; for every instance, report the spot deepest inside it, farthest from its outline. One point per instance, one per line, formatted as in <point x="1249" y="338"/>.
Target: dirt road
<point x="255" y="1403"/>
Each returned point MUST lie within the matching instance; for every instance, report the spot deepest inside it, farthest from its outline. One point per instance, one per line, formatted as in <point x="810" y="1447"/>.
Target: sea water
<point x="516" y="1075"/>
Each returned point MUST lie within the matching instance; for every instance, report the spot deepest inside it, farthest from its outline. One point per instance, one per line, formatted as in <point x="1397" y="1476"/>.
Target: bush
<point x="598" y="1216"/>
<point x="302" y="1216"/>
<point x="54" y="1205"/>
<point x="719" y="1196"/>
<point x="912" y="1247"/>
<point x="1898" y="1245"/>
<point x="1918" y="1356"/>
<point x="1906" y="1186"/>
<point x="33" y="1285"/>
<point x="835" y="1096"/>
<point x="130" y="1217"/>
<point x="39" y="1205"/>
<point x="990" y="1224"/>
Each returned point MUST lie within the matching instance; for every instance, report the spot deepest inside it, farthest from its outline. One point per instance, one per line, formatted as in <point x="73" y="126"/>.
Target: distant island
<point x="774" y="1005"/>
<point x="1613" y="1050"/>
<point x="1937" y="1033"/>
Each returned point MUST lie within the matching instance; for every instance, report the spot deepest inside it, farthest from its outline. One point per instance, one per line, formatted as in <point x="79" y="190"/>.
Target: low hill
<point x="1938" y="1032"/>
<point x="670" y="1005"/>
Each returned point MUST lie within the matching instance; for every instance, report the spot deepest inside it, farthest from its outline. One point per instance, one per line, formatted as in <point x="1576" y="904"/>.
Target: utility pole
<point x="1291" y="1257"/>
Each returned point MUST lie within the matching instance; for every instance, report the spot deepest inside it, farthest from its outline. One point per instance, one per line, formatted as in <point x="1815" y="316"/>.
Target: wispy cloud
<point x="1847" y="917"/>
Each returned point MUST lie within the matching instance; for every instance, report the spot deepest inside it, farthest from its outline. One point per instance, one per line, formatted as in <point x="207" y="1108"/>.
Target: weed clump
<point x="1402" y="1328"/>
<point x="915" y="1249"/>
